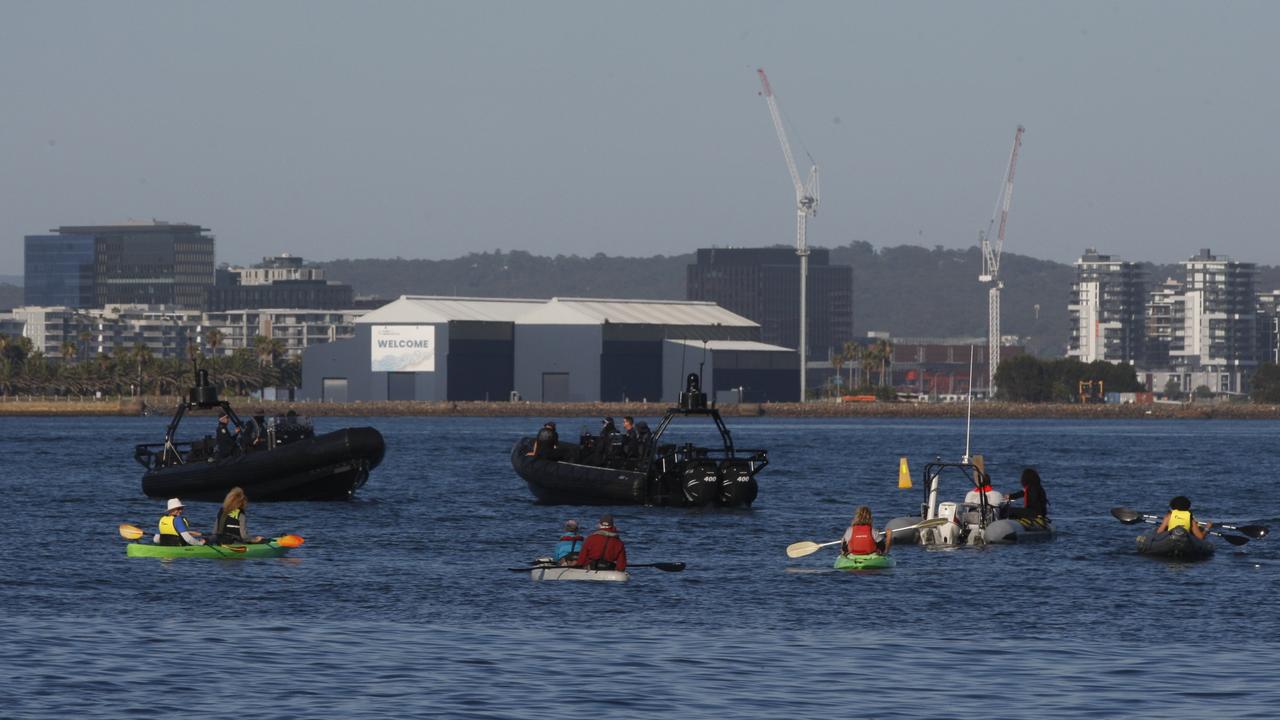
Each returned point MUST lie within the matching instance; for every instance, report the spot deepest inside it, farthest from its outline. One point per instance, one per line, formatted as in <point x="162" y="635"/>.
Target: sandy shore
<point x="11" y="406"/>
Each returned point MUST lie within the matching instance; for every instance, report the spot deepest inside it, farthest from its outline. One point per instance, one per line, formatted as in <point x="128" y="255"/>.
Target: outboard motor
<point x="700" y="482"/>
<point x="737" y="487"/>
<point x="948" y="534"/>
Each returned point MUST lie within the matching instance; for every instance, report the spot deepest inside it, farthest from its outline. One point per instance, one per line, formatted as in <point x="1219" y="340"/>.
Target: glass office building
<point x="58" y="271"/>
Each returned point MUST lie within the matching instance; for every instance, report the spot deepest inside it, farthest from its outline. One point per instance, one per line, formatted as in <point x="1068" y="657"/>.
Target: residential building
<point x="277" y="282"/>
<point x="1107" y="310"/>
<point x="1165" y="318"/>
<point x="296" y="328"/>
<point x="1218" y="324"/>
<point x="763" y="284"/>
<point x="1268" y="324"/>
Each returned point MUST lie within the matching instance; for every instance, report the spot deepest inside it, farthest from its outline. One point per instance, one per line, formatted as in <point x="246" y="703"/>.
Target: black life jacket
<point x="230" y="528"/>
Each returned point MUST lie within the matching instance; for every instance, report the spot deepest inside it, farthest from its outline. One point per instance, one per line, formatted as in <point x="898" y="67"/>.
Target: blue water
<point x="400" y="604"/>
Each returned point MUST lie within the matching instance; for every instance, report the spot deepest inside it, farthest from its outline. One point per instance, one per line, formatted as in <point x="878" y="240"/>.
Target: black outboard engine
<point x="693" y="398"/>
<point x="737" y="487"/>
<point x="699" y="482"/>
<point x="203" y="394"/>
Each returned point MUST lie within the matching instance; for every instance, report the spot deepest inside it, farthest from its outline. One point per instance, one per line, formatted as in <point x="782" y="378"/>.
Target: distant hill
<point x="10" y="296"/>
<point x="907" y="290"/>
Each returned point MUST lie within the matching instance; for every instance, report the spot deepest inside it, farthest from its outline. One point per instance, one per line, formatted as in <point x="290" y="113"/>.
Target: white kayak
<point x="573" y="573"/>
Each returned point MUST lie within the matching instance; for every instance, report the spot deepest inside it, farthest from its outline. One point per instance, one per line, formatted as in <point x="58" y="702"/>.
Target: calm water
<point x="400" y="603"/>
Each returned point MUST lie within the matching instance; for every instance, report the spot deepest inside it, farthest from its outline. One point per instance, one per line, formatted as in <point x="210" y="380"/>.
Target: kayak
<point x="230" y="552"/>
<point x="572" y="573"/>
<point x="874" y="561"/>
<point x="1177" y="544"/>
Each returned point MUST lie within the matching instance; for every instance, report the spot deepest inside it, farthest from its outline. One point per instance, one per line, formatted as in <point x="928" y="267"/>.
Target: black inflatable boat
<point x="280" y="458"/>
<point x="644" y="469"/>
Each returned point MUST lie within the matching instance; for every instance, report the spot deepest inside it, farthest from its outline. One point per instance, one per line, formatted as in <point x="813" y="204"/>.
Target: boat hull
<point x="212" y="552"/>
<point x="1175" y="545"/>
<point x="997" y="532"/>
<point x="695" y="483"/>
<point x="874" y="561"/>
<point x="577" y="574"/>
<point x="325" y="467"/>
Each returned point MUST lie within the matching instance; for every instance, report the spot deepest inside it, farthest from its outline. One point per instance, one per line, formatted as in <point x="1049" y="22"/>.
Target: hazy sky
<point x="417" y="129"/>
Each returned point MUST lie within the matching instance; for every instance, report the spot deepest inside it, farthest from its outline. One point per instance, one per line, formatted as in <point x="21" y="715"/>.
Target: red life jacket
<point x="862" y="542"/>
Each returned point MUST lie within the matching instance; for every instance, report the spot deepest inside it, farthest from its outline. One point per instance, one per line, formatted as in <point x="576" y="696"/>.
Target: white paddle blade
<point x="802" y="548"/>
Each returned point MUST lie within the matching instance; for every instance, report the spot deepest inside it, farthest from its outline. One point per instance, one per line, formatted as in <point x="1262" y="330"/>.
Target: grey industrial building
<point x="558" y="350"/>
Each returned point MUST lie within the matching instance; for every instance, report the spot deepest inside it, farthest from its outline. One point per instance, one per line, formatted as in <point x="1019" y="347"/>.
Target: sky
<point x="430" y="130"/>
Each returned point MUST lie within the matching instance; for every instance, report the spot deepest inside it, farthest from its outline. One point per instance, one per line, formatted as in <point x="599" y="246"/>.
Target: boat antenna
<point x="968" y="415"/>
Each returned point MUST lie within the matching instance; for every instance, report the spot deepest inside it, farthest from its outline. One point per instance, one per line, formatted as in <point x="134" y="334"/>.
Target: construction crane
<point x="806" y="205"/>
<point x="991" y="264"/>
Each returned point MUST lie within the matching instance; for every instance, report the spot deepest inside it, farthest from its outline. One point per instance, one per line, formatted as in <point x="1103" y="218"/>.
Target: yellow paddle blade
<point x="130" y="532"/>
<point x="290" y="541"/>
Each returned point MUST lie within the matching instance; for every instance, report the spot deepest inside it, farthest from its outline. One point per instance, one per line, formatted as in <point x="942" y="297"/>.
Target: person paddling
<point x="603" y="549"/>
<point x="570" y="544"/>
<point x="1035" y="504"/>
<point x="232" y="527"/>
<point x="1179" y="516"/>
<point x="174" y="529"/>
<point x="860" y="538"/>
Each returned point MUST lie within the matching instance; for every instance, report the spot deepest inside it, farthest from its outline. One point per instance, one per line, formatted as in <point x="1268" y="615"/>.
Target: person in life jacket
<point x="860" y="538"/>
<point x="232" y="527"/>
<point x="1036" y="503"/>
<point x="570" y="544"/>
<point x="995" y="498"/>
<point x="174" y="529"/>
<point x="603" y="549"/>
<point x="1179" y="516"/>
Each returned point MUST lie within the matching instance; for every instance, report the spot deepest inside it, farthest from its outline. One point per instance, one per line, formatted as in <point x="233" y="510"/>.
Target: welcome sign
<point x="403" y="348"/>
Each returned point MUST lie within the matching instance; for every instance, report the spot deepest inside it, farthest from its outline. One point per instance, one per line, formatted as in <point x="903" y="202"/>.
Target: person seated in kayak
<point x="603" y="549"/>
<point x="1179" y="516"/>
<point x="233" y="524"/>
<point x="545" y="444"/>
<point x="860" y="538"/>
<point x="1035" y="503"/>
<point x="174" y="529"/>
<point x="570" y="544"/>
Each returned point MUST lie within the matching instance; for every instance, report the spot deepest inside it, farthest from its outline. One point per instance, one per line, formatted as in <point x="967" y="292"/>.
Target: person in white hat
<point x="174" y="529"/>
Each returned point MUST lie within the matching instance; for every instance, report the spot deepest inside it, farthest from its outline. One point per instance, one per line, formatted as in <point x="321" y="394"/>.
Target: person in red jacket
<point x="860" y="539"/>
<point x="603" y="549"/>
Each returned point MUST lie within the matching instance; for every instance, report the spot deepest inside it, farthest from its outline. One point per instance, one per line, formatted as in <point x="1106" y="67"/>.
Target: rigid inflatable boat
<point x="970" y="523"/>
<point x="285" y="460"/>
<point x="649" y="471"/>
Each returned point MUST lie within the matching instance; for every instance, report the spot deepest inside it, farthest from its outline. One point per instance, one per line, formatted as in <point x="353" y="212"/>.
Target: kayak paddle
<point x="808" y="547"/>
<point x="663" y="566"/>
<point x="1131" y="517"/>
<point x="130" y="532"/>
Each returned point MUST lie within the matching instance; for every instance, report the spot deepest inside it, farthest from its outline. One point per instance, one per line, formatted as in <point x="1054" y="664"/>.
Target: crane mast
<point x="806" y="205"/>
<point x="991" y="264"/>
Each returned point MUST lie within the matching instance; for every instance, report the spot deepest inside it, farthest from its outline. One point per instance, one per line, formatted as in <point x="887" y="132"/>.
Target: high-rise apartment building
<point x="1218" y="322"/>
<point x="1107" y="310"/>
<point x="1268" y="325"/>
<point x="151" y="263"/>
<point x="763" y="284"/>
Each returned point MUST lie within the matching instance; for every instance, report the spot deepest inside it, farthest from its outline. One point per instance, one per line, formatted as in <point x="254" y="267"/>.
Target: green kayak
<point x="231" y="552"/>
<point x="874" y="561"/>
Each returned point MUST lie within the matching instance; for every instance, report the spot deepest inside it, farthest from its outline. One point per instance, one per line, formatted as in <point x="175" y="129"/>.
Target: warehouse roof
<point x="439" y="309"/>
<point x="591" y="311"/>
<point x="734" y="345"/>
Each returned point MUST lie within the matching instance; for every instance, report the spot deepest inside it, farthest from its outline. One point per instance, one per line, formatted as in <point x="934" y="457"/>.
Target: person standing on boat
<point x="232" y="527"/>
<point x="1179" y="516"/>
<point x="630" y="441"/>
<point x="1035" y="504"/>
<point x="226" y="442"/>
<point x="570" y="544"/>
<point x="603" y="549"/>
<point x="860" y="538"/>
<point x="174" y="529"/>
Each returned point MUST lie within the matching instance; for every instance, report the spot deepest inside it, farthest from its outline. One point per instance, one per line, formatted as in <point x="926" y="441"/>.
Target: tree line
<point x="137" y="371"/>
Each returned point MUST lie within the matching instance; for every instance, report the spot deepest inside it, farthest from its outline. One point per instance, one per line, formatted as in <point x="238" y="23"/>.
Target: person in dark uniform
<point x="545" y="445"/>
<point x="1035" y="503"/>
<point x="225" y="440"/>
<point x="630" y="443"/>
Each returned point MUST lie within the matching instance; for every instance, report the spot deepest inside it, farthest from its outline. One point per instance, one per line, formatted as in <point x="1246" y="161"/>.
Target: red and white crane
<point x="806" y="205"/>
<point x="991" y="264"/>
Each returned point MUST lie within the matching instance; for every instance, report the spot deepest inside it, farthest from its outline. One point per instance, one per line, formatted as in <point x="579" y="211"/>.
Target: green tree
<point x="1202" y="392"/>
<point x="1173" y="389"/>
<point x="1266" y="384"/>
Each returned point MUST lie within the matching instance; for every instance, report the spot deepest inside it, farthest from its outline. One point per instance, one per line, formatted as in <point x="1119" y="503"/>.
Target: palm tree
<point x="142" y="355"/>
<point x="214" y="338"/>
<point x="851" y="353"/>
<point x="85" y="338"/>
<point x="884" y="352"/>
<point x="68" y="350"/>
